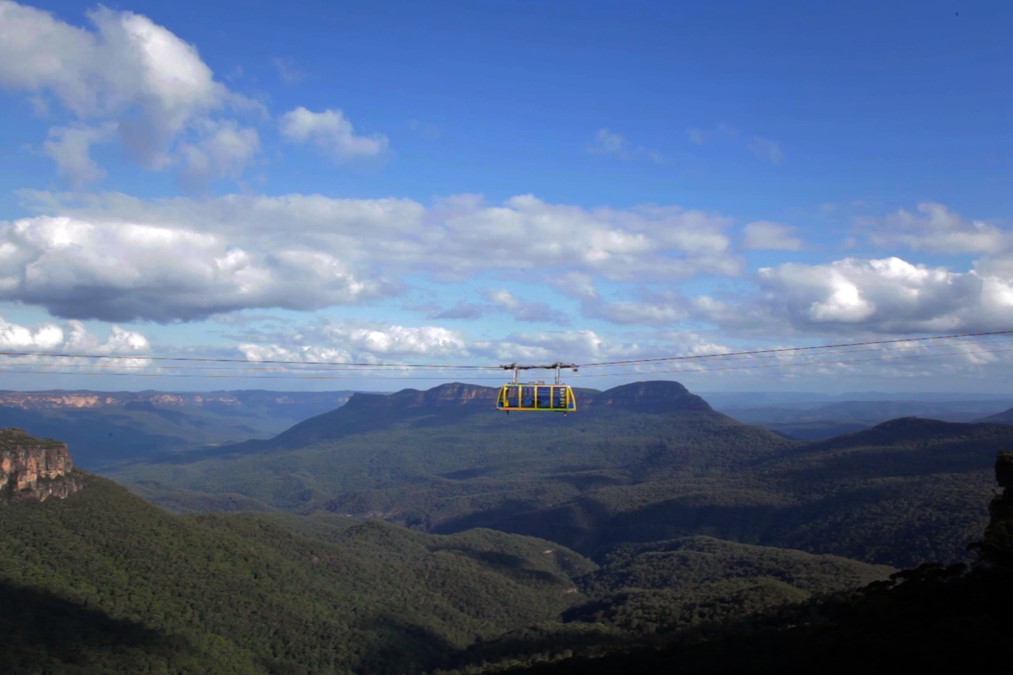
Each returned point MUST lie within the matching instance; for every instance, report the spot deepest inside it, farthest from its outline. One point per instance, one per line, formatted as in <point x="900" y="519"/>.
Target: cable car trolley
<point x="525" y="396"/>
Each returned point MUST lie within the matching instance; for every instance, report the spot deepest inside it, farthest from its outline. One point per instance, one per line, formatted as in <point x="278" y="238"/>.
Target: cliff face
<point x="30" y="400"/>
<point x="997" y="546"/>
<point x="237" y="400"/>
<point x="31" y="468"/>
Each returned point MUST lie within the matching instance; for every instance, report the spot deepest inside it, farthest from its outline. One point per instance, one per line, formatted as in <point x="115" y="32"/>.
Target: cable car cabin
<point x="536" y="396"/>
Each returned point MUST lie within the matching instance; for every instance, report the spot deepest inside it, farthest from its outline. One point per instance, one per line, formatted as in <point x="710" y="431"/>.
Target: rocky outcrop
<point x="43" y="400"/>
<point x="997" y="546"/>
<point x="31" y="468"/>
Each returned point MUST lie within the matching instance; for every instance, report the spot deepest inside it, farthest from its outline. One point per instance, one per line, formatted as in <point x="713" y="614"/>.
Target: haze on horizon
<point x="480" y="183"/>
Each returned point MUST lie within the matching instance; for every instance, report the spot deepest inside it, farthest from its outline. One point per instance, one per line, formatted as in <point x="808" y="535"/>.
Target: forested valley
<point x="424" y="532"/>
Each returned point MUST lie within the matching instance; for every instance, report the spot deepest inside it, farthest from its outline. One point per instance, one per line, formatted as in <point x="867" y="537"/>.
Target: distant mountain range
<point x="817" y="421"/>
<point x="104" y="428"/>
<point x="642" y="462"/>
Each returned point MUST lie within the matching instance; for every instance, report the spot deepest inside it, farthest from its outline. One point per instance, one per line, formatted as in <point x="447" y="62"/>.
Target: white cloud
<point x="225" y="150"/>
<point x="70" y="338"/>
<point x="889" y="295"/>
<point x="764" y="234"/>
<point x="70" y="147"/>
<point x="577" y="284"/>
<point x="935" y="228"/>
<point x="117" y="257"/>
<point x="127" y="72"/>
<point x="649" y="307"/>
<point x="117" y="271"/>
<point x="648" y="242"/>
<point x="525" y="310"/>
<point x="330" y="132"/>
<point x="545" y="347"/>
<point x="355" y="342"/>
<point x="589" y="347"/>
<point x="660" y="310"/>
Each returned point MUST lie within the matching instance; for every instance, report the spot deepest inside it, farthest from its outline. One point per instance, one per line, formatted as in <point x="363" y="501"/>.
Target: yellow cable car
<point x="557" y="397"/>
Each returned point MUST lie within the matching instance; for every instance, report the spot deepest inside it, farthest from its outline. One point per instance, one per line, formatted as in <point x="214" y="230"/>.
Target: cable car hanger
<point x="537" y="396"/>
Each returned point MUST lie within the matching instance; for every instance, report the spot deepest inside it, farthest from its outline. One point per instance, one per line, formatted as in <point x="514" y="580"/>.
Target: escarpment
<point x="32" y="468"/>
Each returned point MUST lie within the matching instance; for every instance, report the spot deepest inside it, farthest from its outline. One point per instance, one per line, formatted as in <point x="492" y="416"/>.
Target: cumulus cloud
<point x="590" y="347"/>
<point x="126" y="71"/>
<point x="331" y="133"/>
<point x="70" y="338"/>
<point x="526" y="232"/>
<point x="355" y="342"/>
<point x="764" y="234"/>
<point x="119" y="271"/>
<point x="545" y="347"/>
<point x="889" y="295"/>
<point x="116" y="257"/>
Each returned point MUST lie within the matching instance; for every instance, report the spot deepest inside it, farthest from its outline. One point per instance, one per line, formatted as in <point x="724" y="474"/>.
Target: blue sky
<point x="477" y="183"/>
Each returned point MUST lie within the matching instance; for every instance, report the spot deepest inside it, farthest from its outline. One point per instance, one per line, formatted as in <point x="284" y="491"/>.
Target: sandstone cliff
<point x="31" y="468"/>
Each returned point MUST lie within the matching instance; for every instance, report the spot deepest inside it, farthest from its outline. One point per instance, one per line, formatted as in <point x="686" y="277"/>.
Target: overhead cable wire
<point x="799" y="364"/>
<point x="790" y="349"/>
<point x="316" y="366"/>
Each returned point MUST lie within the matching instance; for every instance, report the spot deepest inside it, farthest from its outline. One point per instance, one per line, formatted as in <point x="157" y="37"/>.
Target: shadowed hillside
<point x="444" y="456"/>
<point x="104" y="582"/>
<point x="932" y="618"/>
<point x="639" y="463"/>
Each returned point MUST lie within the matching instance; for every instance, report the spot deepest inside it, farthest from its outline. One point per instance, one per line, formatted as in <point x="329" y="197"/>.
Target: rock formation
<point x="31" y="468"/>
<point x="997" y="547"/>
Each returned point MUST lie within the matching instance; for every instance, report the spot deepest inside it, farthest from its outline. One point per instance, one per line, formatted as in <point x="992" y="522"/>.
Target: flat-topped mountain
<point x="654" y="396"/>
<point x="450" y="404"/>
